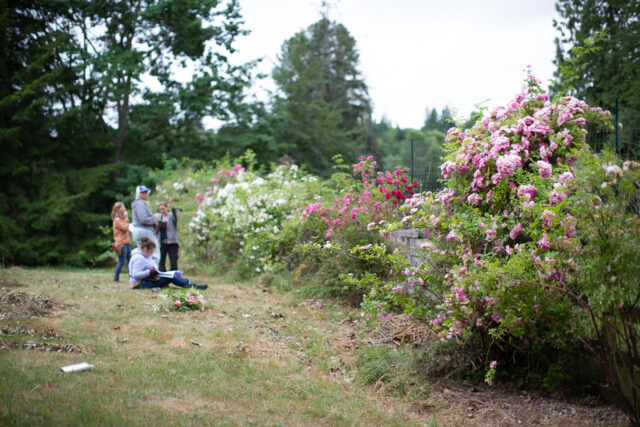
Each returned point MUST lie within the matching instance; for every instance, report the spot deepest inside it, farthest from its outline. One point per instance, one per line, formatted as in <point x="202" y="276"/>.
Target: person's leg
<point x="173" y="255"/>
<point x="127" y="247"/>
<point x="121" y="258"/>
<point x="147" y="284"/>
<point x="181" y="281"/>
<point x="163" y="257"/>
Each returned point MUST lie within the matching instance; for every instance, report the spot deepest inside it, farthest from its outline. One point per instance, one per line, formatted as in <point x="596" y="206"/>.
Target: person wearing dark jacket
<point x="167" y="235"/>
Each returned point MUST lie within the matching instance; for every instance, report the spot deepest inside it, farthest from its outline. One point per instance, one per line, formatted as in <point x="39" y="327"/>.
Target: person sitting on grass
<point x="143" y="272"/>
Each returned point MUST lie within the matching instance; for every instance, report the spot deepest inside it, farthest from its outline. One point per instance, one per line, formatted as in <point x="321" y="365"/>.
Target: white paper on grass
<point x="84" y="366"/>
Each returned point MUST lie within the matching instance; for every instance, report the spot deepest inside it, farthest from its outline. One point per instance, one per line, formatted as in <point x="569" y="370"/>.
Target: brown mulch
<point x="462" y="402"/>
<point x="43" y="346"/>
<point x="47" y="334"/>
<point x="399" y="330"/>
<point x="15" y="304"/>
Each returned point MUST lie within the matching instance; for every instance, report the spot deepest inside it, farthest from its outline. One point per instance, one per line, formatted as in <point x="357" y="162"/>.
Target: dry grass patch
<point x="242" y="363"/>
<point x="260" y="357"/>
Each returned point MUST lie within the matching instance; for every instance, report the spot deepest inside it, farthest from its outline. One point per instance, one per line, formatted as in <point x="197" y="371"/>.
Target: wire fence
<point x="422" y="160"/>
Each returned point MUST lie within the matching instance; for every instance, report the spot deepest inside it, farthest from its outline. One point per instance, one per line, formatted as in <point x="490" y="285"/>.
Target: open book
<point x="170" y="274"/>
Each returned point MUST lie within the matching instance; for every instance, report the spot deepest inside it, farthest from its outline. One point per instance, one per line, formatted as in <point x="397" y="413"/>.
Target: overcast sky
<point x="416" y="54"/>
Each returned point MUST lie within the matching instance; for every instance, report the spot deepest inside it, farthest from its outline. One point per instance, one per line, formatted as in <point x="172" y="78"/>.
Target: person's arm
<point x="121" y="224"/>
<point x="174" y="213"/>
<point x="138" y="270"/>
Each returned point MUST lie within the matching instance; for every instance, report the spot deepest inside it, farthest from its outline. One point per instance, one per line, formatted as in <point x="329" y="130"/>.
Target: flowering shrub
<point x="375" y="202"/>
<point x="605" y="292"/>
<point x="502" y="232"/>
<point x="241" y="215"/>
<point x="182" y="300"/>
<point x="350" y="220"/>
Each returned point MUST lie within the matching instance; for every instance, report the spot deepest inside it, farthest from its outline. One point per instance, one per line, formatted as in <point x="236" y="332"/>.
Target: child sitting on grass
<point x="143" y="272"/>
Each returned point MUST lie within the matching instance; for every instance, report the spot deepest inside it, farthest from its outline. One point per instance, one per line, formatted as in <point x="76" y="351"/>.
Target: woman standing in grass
<point x="144" y="221"/>
<point x="167" y="235"/>
<point x="121" y="237"/>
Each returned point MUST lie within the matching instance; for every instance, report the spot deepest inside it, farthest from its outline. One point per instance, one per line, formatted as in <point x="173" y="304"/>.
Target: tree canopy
<point x="323" y="106"/>
<point x="79" y="122"/>
<point x="598" y="57"/>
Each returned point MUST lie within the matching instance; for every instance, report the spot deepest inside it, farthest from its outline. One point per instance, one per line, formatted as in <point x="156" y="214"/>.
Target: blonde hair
<point x="114" y="211"/>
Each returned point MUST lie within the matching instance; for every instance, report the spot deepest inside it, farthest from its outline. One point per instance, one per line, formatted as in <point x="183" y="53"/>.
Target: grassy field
<point x="260" y="357"/>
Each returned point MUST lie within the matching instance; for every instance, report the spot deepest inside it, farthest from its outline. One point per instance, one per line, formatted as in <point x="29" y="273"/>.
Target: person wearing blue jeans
<point x="121" y="237"/>
<point x="143" y="272"/>
<point x="123" y="259"/>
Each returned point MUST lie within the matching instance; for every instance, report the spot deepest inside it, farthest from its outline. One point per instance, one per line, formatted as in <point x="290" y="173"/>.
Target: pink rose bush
<point x="502" y="230"/>
<point x="375" y="201"/>
<point x="344" y="230"/>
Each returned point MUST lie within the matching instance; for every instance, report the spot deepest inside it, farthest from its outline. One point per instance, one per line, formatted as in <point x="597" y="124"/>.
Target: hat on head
<point x="143" y="189"/>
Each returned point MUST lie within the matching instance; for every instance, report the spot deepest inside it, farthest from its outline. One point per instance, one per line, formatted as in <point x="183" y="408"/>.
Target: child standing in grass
<point x="121" y="237"/>
<point x="143" y="272"/>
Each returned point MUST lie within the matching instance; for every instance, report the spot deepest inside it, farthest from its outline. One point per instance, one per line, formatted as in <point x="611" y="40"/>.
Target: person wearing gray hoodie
<point x="143" y="272"/>
<point x="144" y="222"/>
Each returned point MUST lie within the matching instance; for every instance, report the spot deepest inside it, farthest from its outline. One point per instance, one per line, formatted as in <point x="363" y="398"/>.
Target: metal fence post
<point x="616" y="130"/>
<point x="411" y="160"/>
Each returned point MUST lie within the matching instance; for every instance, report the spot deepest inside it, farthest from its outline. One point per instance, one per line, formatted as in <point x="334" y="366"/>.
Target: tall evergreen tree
<point x="73" y="108"/>
<point x="598" y="57"/>
<point x="323" y="107"/>
<point x="432" y="121"/>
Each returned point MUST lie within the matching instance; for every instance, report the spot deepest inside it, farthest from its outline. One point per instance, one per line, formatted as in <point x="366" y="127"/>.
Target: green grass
<point x="148" y="371"/>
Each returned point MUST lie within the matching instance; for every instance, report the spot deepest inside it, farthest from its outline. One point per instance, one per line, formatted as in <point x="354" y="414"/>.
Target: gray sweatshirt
<point x="142" y="215"/>
<point x="171" y="225"/>
<point x="139" y="266"/>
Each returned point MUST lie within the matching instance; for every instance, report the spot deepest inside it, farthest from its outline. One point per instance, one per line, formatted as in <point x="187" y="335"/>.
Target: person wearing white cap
<point x="144" y="221"/>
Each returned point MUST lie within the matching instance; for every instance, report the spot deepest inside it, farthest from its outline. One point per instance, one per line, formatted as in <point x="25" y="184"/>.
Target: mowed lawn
<point x="260" y="357"/>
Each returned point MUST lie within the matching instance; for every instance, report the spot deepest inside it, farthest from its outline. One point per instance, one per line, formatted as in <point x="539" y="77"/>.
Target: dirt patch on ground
<point x="478" y="405"/>
<point x="13" y="285"/>
<point x="460" y="402"/>
<point x="43" y="346"/>
<point x="17" y="304"/>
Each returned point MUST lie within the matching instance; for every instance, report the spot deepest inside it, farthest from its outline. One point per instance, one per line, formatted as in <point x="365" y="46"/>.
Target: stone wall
<point x="409" y="242"/>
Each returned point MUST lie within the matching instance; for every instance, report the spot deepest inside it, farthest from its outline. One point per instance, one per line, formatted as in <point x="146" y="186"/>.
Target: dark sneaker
<point x="201" y="286"/>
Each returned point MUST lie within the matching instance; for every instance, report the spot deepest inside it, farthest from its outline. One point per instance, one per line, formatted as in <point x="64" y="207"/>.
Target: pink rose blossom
<point x="527" y="192"/>
<point x="516" y="230"/>
<point x="544" y="169"/>
<point x="507" y="164"/>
